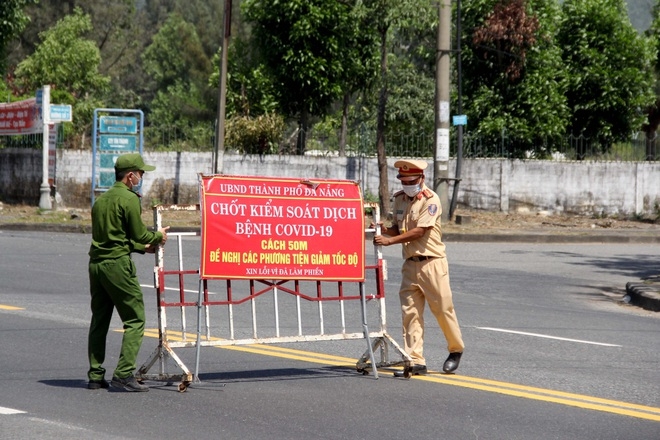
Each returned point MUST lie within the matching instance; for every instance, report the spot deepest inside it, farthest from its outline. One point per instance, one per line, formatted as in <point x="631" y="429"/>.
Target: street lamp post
<point x="44" y="198"/>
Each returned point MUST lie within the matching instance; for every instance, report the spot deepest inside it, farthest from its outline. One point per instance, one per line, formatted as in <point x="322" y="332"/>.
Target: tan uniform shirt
<point x="423" y="211"/>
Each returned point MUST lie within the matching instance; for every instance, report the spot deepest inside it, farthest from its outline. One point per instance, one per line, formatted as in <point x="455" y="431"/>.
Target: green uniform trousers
<point x="114" y="283"/>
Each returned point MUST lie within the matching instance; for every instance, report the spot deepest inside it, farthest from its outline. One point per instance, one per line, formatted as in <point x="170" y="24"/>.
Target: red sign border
<point x="261" y="179"/>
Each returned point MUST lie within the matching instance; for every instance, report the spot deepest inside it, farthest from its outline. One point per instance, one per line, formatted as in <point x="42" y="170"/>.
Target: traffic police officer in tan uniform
<point x="425" y="275"/>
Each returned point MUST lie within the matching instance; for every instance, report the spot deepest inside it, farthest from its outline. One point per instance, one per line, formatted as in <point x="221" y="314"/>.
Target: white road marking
<point x="547" y="336"/>
<point x="7" y="411"/>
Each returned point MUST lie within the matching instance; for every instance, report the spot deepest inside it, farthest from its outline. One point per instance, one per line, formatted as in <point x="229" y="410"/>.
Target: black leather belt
<point x="421" y="258"/>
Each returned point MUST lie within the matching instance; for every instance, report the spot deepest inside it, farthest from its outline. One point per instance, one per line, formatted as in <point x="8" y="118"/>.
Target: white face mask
<point x="412" y="190"/>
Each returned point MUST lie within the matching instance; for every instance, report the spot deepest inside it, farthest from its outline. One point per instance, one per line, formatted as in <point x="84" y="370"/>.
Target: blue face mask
<point x="137" y="188"/>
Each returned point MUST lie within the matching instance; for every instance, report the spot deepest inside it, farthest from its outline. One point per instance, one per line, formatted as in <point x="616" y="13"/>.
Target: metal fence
<point x="559" y="148"/>
<point x="362" y="142"/>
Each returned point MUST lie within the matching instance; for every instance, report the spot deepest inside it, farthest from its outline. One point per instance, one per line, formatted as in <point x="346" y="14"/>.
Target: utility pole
<point x="459" y="110"/>
<point x="222" y="98"/>
<point x="441" y="159"/>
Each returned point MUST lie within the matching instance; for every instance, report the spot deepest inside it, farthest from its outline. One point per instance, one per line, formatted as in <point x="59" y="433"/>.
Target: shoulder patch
<point x="433" y="209"/>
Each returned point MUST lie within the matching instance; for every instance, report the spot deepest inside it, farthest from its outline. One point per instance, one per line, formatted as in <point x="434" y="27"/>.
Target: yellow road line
<point x="510" y="389"/>
<point x="271" y="350"/>
<point x="546" y="395"/>
<point x="6" y="307"/>
<point x="550" y="392"/>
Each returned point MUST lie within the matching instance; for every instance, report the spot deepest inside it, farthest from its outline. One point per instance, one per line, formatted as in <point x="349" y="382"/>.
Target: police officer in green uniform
<point x="118" y="230"/>
<point x="425" y="275"/>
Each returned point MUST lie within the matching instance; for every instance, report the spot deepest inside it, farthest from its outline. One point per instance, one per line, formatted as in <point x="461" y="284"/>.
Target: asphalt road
<point x="551" y="353"/>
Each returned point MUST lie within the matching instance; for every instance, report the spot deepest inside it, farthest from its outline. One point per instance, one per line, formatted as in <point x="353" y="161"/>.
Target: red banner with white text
<point x="281" y="228"/>
<point x="21" y="117"/>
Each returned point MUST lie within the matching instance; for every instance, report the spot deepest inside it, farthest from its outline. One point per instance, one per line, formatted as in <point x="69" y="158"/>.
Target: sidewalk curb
<point x="645" y="294"/>
<point x="47" y="227"/>
<point x="77" y="228"/>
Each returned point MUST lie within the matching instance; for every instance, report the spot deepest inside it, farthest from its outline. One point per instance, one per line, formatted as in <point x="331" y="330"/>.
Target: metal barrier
<point x="255" y="326"/>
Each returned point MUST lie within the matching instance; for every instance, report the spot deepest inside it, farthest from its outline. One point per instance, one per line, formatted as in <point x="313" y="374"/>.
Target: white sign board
<point x="442" y="145"/>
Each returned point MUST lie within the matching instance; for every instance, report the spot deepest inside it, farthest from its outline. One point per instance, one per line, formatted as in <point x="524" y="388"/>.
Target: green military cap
<point x="132" y="162"/>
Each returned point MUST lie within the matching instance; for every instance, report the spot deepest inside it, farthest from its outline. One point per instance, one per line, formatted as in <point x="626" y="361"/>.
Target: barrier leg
<point x="162" y="352"/>
<point x="365" y="329"/>
<point x="199" y="329"/>
<point x="382" y="343"/>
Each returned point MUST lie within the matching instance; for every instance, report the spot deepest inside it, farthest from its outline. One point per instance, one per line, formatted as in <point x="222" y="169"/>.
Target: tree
<point x="360" y="60"/>
<point x="114" y="26"/>
<point x="386" y="16"/>
<point x="506" y="36"/>
<point x="12" y="22"/>
<point x="610" y="70"/>
<point x="301" y="44"/>
<point x="250" y="89"/>
<point x="122" y="30"/>
<point x="650" y="127"/>
<point x="410" y="108"/>
<point x="205" y="15"/>
<point x="513" y="78"/>
<point x="179" y="69"/>
<point x="65" y="59"/>
<point x="70" y="64"/>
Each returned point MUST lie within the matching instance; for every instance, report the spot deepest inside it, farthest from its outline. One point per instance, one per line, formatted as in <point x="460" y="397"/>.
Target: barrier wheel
<point x="406" y="373"/>
<point x="183" y="386"/>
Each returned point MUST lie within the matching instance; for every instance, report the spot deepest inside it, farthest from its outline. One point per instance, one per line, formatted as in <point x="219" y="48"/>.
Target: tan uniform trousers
<point x="427" y="281"/>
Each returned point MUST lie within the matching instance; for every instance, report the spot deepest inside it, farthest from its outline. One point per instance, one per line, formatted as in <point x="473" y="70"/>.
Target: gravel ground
<point x="544" y="221"/>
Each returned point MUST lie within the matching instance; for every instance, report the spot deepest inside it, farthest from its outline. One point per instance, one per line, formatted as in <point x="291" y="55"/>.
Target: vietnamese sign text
<point x="22" y="117"/>
<point x="281" y="228"/>
<point x="118" y="124"/>
<point x="60" y="113"/>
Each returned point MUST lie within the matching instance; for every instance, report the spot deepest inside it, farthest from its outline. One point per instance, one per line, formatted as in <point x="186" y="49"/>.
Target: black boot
<point x="414" y="370"/>
<point x="451" y="364"/>
<point x="129" y="383"/>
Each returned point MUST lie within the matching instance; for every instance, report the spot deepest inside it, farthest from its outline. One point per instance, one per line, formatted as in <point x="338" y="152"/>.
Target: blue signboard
<point x="118" y="124"/>
<point x="127" y="143"/>
<point x="116" y="132"/>
<point x="60" y="113"/>
<point x="108" y="160"/>
<point x="459" y="119"/>
<point x="106" y="179"/>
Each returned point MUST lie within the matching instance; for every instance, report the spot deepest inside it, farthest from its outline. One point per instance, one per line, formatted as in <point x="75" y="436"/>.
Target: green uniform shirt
<point x="117" y="227"/>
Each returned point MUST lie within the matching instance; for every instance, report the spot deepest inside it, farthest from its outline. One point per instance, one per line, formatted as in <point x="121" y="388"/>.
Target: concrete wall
<point x="601" y="188"/>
